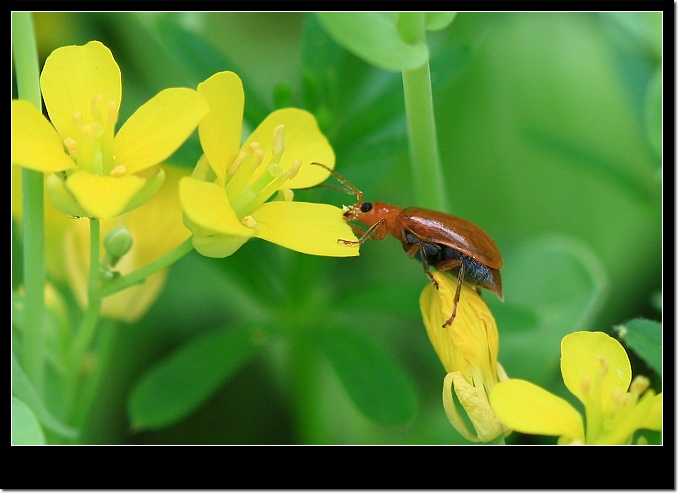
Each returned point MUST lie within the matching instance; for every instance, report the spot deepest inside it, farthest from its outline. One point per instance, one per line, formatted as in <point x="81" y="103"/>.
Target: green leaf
<point x="435" y="21"/>
<point x="185" y="379"/>
<point x="644" y="337"/>
<point x="373" y="36"/>
<point x="562" y="283"/>
<point x="25" y="427"/>
<point x="561" y="279"/>
<point x="642" y="187"/>
<point x="23" y="389"/>
<point x="379" y="388"/>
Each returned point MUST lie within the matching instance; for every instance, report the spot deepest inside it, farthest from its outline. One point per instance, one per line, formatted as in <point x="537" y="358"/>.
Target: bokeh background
<point x="549" y="127"/>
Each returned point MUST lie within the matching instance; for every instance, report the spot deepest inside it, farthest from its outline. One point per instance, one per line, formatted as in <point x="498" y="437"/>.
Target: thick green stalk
<point x="428" y="177"/>
<point x="28" y="88"/>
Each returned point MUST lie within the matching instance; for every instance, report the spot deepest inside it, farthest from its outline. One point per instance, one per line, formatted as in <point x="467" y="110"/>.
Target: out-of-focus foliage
<point x="549" y="126"/>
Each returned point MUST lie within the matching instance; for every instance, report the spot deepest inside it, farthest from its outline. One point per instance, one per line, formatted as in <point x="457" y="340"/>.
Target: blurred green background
<point x="549" y="126"/>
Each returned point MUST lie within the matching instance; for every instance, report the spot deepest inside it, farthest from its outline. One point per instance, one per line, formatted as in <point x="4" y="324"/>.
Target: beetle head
<point x="356" y="211"/>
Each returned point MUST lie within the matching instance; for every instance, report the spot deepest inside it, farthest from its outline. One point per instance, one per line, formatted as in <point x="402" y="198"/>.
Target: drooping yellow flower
<point x="596" y="369"/>
<point x="226" y="200"/>
<point x="95" y="172"/>
<point x="156" y="228"/>
<point x="468" y="350"/>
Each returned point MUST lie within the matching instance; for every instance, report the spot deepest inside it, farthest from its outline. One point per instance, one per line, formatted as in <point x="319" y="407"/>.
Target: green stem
<point x="90" y="319"/>
<point x="87" y="328"/>
<point x="92" y="387"/>
<point x="35" y="276"/>
<point x="428" y="177"/>
<point x="138" y="276"/>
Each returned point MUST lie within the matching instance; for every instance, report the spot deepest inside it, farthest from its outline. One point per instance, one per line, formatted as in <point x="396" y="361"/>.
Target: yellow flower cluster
<point x="225" y="201"/>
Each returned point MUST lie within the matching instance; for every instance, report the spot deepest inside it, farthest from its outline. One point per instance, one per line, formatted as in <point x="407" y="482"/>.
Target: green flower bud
<point x="118" y="242"/>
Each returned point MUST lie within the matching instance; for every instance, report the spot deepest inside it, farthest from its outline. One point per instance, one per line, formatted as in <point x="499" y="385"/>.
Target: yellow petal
<point x="630" y="418"/>
<point x="157" y="228"/>
<point x="527" y="408"/>
<point x="303" y="140"/>
<point x="653" y="421"/>
<point x="304" y="227"/>
<point x="35" y="143"/>
<point x="207" y="205"/>
<point x="62" y="197"/>
<point x="432" y="311"/>
<point x="160" y="219"/>
<point x="221" y="130"/>
<point x="451" y="409"/>
<point x="103" y="196"/>
<point x="475" y="402"/>
<point x="158" y="128"/>
<point x="72" y="77"/>
<point x="471" y="344"/>
<point x="477" y="407"/>
<point x="580" y="359"/>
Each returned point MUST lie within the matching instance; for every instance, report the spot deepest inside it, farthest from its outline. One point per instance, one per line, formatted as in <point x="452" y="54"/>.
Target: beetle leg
<point x="449" y="265"/>
<point x="460" y="280"/>
<point x="412" y="251"/>
<point x="365" y="234"/>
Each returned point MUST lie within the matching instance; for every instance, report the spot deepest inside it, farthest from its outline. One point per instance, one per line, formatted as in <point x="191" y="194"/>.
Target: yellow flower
<point x="225" y="201"/>
<point x="96" y="172"/>
<point x="156" y="229"/>
<point x="597" y="371"/>
<point x="468" y="350"/>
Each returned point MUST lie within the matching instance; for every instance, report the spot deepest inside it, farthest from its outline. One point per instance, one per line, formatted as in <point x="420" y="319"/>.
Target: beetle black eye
<point x="366" y="207"/>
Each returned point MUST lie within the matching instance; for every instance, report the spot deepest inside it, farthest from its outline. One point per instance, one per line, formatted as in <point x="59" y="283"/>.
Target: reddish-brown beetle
<point x="445" y="242"/>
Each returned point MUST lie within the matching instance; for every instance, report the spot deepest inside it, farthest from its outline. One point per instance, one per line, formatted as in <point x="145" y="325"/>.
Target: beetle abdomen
<point x="475" y="272"/>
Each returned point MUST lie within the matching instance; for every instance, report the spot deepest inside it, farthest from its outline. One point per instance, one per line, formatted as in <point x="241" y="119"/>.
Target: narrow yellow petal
<point x="103" y="196"/>
<point x="471" y="344"/>
<point x="221" y="130"/>
<point x="303" y="140"/>
<point x="72" y="77"/>
<point x="475" y="402"/>
<point x="304" y="227"/>
<point x="527" y="408"/>
<point x="431" y="305"/>
<point x="581" y="353"/>
<point x="35" y="143"/>
<point x="451" y="411"/>
<point x="158" y="128"/>
<point x="207" y="205"/>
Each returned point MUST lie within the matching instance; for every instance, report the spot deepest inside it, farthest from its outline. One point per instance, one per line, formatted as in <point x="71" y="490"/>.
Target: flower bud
<point x="118" y="242"/>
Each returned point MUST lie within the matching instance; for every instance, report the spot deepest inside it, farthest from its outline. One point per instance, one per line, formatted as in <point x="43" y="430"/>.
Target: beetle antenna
<point x="351" y="189"/>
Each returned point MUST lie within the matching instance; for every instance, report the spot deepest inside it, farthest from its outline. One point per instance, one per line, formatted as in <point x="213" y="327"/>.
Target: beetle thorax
<point x="372" y="213"/>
